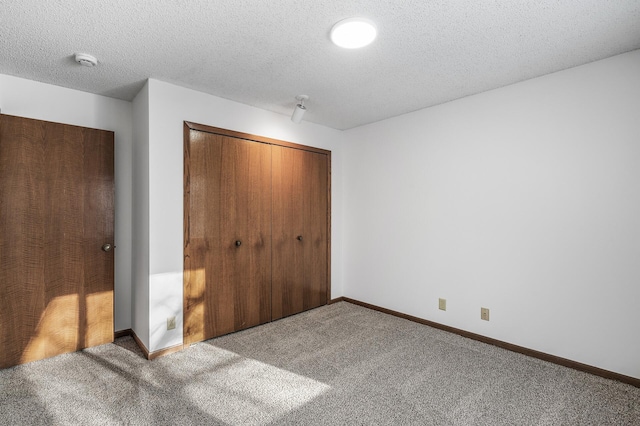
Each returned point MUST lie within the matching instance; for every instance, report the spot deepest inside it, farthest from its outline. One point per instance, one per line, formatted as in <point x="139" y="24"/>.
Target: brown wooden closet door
<point x="56" y="212"/>
<point x="300" y="228"/>
<point x="228" y="235"/>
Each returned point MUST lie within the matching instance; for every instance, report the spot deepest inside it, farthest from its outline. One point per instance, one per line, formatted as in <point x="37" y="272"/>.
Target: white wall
<point x="140" y="217"/>
<point x="524" y="200"/>
<point x="26" y="98"/>
<point x="169" y="107"/>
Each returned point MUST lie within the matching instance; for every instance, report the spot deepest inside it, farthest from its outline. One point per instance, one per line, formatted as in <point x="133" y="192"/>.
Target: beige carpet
<point x="340" y="364"/>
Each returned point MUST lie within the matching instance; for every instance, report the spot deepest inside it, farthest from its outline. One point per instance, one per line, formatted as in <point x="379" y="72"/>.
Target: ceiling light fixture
<point x="86" y="60"/>
<point x="300" y="109"/>
<point x="353" y="33"/>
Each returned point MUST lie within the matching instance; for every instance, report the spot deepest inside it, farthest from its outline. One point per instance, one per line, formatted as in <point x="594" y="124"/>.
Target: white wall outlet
<point x="484" y="314"/>
<point x="442" y="304"/>
<point x="171" y="323"/>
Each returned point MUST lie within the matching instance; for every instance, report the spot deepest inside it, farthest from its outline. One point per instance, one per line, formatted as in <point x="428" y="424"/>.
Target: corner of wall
<point x="140" y="217"/>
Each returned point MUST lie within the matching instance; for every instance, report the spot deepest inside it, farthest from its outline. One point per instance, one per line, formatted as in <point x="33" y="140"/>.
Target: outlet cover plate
<point x="171" y="323"/>
<point x="484" y="314"/>
<point x="442" y="304"/>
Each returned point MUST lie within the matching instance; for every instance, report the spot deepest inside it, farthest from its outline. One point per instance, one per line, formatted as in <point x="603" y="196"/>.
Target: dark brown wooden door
<point x="227" y="235"/>
<point x="300" y="230"/>
<point x="56" y="212"/>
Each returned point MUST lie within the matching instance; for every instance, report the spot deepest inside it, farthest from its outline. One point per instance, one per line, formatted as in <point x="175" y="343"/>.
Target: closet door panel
<point x="228" y="260"/>
<point x="315" y="218"/>
<point x="300" y="204"/>
<point x="288" y="225"/>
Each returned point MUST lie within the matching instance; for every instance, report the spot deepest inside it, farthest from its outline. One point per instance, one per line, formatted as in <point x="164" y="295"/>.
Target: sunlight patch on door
<point x="57" y="330"/>
<point x="99" y="313"/>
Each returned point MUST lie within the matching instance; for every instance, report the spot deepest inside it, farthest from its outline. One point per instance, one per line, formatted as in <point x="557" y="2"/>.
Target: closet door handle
<point x="238" y="243"/>
<point x="299" y="238"/>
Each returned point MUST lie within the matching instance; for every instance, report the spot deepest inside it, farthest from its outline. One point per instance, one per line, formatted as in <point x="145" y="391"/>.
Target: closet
<point x="256" y="230"/>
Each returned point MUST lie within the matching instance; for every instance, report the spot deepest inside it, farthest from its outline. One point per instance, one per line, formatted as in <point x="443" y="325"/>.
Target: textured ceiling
<point x="264" y="53"/>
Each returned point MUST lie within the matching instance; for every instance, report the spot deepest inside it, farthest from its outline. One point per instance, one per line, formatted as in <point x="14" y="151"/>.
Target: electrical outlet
<point x="171" y="323"/>
<point x="484" y="314"/>
<point x="442" y="304"/>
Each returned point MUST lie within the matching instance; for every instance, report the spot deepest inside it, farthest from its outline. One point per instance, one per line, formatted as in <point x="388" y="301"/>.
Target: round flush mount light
<point x="86" y="60"/>
<point x="353" y="33"/>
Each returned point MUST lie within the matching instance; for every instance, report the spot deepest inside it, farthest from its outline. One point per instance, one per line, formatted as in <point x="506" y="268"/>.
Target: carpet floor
<point x="340" y="364"/>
